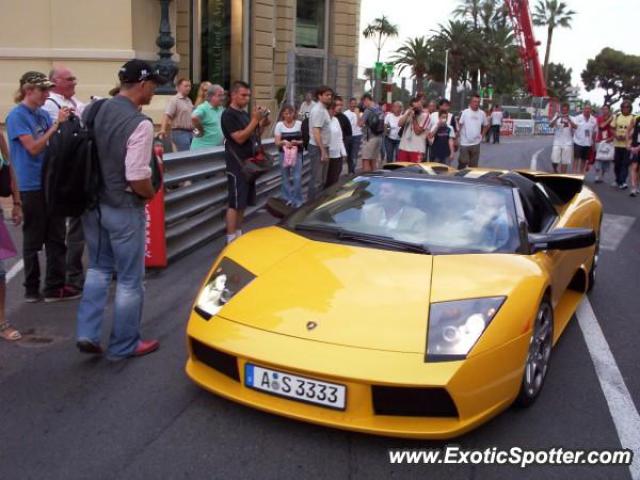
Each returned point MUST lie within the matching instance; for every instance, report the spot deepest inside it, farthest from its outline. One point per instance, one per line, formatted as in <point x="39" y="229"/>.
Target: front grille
<point x="220" y="361"/>
<point x="413" y="402"/>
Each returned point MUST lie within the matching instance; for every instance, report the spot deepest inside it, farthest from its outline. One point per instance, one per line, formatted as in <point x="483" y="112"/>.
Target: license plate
<point x="295" y="387"/>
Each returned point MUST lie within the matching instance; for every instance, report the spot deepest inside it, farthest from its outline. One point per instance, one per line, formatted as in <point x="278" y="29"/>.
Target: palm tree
<point x="469" y="10"/>
<point x="416" y="54"/>
<point x="551" y="14"/>
<point x="461" y="41"/>
<point x="380" y="30"/>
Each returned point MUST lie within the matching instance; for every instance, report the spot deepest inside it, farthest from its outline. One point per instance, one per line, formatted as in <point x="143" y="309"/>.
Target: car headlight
<point x="226" y="281"/>
<point x="455" y="327"/>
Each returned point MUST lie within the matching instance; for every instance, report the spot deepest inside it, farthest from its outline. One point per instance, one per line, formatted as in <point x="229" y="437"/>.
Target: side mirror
<point x="278" y="208"/>
<point x="562" y="239"/>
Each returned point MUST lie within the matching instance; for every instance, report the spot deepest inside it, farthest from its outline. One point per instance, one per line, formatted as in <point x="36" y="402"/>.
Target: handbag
<point x="7" y="247"/>
<point x="605" y="151"/>
<point x="254" y="167"/>
<point x="5" y="178"/>
<point x="290" y="157"/>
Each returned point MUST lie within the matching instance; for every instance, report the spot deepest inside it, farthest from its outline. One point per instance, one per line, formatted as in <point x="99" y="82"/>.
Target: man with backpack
<point x="63" y="95"/>
<point x="372" y="124"/>
<point x="115" y="229"/>
<point x="29" y="129"/>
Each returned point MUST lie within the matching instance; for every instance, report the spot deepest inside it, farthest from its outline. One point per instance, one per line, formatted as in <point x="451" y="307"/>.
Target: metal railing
<point x="196" y="196"/>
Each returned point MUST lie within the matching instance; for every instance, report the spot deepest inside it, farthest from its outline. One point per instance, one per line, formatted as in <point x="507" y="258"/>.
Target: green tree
<point x="616" y="72"/>
<point x="551" y="14"/>
<point x="416" y="54"/>
<point x="469" y="10"/>
<point x="380" y="30"/>
<point x="559" y="82"/>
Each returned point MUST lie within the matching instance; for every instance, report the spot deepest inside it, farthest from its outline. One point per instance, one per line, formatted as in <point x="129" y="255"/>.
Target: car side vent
<point x="413" y="402"/>
<point x="220" y="361"/>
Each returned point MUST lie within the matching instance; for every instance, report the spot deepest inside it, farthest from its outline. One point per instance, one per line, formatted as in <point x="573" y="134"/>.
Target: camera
<point x="417" y="111"/>
<point x="265" y="113"/>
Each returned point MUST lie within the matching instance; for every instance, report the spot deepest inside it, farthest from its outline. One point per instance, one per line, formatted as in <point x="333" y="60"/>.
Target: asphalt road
<point x="66" y="416"/>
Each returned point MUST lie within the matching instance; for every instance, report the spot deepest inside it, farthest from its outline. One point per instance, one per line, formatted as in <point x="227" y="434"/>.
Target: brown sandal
<point x="9" y="333"/>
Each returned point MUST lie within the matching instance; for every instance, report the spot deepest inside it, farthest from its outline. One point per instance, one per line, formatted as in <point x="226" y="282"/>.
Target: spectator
<point x="206" y="120"/>
<point x="337" y="150"/>
<point x="562" y="150"/>
<point x="605" y="134"/>
<point x="288" y="138"/>
<point x="29" y="128"/>
<point x="306" y="106"/>
<point x="496" y="123"/>
<point x="633" y="138"/>
<point x="63" y="95"/>
<point x="442" y="146"/>
<point x="7" y="331"/>
<point x="177" y="117"/>
<point x="415" y="126"/>
<point x="392" y="131"/>
<point x="620" y="124"/>
<point x="372" y="139"/>
<point x="115" y="230"/>
<point x="584" y="135"/>
<point x="345" y="123"/>
<point x="241" y="133"/>
<point x="430" y="107"/>
<point x="202" y="93"/>
<point x="473" y="127"/>
<point x="353" y="148"/>
<point x="444" y="105"/>
<point x="319" y="139"/>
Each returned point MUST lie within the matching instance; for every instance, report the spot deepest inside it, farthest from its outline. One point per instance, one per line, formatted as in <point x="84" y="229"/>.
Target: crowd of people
<point x="585" y="139"/>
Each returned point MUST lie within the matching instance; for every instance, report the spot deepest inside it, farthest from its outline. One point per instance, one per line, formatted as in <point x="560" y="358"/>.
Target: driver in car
<point x="489" y="220"/>
<point x="391" y="211"/>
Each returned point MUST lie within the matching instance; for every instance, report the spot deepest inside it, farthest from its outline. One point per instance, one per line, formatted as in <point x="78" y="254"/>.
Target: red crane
<point x="521" y="18"/>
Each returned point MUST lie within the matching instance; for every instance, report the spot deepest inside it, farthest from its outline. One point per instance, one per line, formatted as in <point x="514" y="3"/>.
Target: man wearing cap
<point x="29" y="129"/>
<point x="115" y="229"/>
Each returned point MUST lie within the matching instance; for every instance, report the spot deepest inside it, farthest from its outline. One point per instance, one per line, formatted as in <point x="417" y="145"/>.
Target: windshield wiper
<point x="368" y="238"/>
<point x="384" y="241"/>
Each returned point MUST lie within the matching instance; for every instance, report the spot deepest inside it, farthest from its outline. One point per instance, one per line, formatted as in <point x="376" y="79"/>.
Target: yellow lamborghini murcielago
<point x="406" y="302"/>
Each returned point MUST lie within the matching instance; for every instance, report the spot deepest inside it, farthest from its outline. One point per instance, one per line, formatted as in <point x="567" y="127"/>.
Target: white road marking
<point x="13" y="271"/>
<point x="623" y="411"/>
<point x="534" y="159"/>
<point x="614" y="229"/>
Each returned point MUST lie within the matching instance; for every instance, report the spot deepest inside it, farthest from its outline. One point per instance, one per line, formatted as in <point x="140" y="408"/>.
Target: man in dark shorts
<point x="241" y="133"/>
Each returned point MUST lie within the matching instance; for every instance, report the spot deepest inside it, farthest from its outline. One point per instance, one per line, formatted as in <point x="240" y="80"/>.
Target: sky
<point x="597" y="24"/>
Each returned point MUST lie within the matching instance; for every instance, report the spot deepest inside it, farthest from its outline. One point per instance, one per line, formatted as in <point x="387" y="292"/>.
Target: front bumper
<point x="480" y="386"/>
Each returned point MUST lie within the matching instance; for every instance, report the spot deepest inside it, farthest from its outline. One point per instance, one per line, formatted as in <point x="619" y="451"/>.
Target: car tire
<point x="537" y="362"/>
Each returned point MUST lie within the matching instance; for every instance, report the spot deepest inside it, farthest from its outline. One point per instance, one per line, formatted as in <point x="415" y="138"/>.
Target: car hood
<point x="328" y="292"/>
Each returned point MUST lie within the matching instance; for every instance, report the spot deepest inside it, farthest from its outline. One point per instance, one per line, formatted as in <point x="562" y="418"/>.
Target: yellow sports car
<point x="400" y="303"/>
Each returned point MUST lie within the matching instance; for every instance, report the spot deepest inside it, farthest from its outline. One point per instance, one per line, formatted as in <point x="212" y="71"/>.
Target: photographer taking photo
<point x="415" y="125"/>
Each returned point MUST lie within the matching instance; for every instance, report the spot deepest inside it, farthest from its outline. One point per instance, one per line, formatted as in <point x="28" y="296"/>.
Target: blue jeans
<point x="391" y="149"/>
<point x="292" y="181"/>
<point x="115" y="239"/>
<point x="182" y="139"/>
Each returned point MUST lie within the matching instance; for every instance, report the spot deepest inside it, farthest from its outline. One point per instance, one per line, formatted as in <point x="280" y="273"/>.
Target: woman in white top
<point x="337" y="151"/>
<point x="288" y="137"/>
<point x="392" y="132"/>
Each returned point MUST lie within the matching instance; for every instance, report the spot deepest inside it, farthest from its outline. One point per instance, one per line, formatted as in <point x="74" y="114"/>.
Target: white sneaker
<point x="624" y="186"/>
<point x="614" y="184"/>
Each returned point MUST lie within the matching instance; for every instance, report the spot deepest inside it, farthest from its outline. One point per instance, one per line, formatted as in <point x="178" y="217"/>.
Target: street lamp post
<point x="165" y="43"/>
<point x="446" y="68"/>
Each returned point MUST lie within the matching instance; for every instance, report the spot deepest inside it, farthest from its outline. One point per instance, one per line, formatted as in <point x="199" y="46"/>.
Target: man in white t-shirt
<point x="584" y="135"/>
<point x="415" y="124"/>
<point x="353" y="148"/>
<point x="473" y="127"/>
<point x="562" y="151"/>
<point x="305" y="108"/>
<point x="496" y="123"/>
<point x="64" y="95"/>
<point x="392" y="132"/>
<point x="319" y="140"/>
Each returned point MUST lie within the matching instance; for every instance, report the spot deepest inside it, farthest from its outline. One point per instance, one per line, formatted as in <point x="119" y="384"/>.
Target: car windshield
<point x="441" y="216"/>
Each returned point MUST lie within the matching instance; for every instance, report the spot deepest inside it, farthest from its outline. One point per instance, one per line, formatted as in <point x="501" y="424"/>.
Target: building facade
<point x="281" y="47"/>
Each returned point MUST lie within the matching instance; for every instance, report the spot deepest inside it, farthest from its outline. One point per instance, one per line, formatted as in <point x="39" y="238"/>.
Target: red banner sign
<point x="155" y="254"/>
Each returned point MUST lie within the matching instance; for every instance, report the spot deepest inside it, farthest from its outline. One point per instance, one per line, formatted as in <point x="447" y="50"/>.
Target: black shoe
<point x="87" y="346"/>
<point x="32" y="297"/>
<point x="62" y="294"/>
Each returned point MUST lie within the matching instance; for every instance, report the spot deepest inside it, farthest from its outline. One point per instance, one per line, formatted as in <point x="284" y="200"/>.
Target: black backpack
<point x="305" y="132"/>
<point x="375" y="121"/>
<point x="71" y="175"/>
